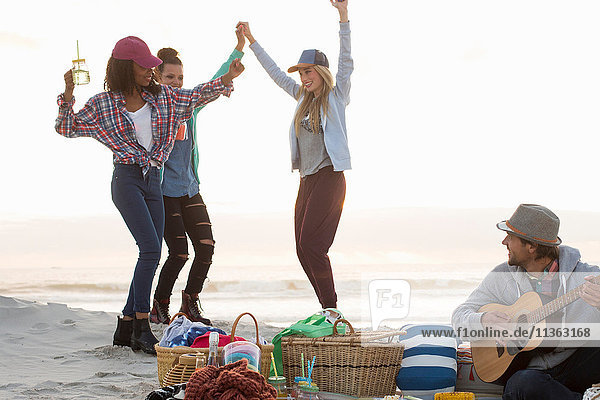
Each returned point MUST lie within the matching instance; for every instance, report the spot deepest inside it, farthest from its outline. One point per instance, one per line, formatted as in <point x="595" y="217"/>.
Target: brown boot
<point x="160" y="312"/>
<point x="190" y="306"/>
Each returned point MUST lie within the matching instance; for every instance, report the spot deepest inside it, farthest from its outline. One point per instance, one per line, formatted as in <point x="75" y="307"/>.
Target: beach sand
<point x="51" y="351"/>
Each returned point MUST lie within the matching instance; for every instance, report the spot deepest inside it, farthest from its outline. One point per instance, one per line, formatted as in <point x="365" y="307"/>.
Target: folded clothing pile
<point x="230" y="382"/>
<point x="183" y="332"/>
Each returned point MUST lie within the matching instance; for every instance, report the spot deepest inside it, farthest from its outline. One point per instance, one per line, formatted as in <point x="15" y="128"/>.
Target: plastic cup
<point x="235" y="351"/>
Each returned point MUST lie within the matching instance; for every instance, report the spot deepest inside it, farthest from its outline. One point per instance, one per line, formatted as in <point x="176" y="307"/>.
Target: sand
<point x="51" y="351"/>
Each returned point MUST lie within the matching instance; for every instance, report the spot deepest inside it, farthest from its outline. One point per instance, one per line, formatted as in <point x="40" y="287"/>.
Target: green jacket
<point x="191" y="123"/>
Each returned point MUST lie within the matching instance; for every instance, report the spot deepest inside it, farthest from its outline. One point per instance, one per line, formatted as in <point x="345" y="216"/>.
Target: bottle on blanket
<point x="213" y="343"/>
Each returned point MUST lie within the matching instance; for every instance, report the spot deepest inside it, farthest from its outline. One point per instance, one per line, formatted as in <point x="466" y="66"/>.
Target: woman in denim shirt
<point x="137" y="119"/>
<point x="185" y="210"/>
<point x="319" y="146"/>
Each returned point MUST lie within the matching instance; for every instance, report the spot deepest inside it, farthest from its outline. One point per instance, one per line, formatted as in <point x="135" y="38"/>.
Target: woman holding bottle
<point x="137" y="119"/>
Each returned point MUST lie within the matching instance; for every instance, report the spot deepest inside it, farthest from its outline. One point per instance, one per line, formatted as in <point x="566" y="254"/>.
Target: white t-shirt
<point x="142" y="120"/>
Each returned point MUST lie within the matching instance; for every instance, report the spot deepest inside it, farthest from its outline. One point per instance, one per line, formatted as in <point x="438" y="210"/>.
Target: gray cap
<point x="535" y="223"/>
<point x="310" y="57"/>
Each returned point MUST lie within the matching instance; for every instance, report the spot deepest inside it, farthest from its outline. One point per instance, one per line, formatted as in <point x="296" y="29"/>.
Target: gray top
<point x="313" y="154"/>
<point x="506" y="283"/>
<point x="334" y="121"/>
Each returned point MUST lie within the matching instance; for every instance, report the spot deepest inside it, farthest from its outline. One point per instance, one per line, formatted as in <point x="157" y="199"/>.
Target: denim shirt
<point x="180" y="172"/>
<point x="179" y="178"/>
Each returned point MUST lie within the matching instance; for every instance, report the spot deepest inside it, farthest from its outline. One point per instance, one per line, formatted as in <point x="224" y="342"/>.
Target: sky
<point x="454" y="104"/>
<point x="460" y="104"/>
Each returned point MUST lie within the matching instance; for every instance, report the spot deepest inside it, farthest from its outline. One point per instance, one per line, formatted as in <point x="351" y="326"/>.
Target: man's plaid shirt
<point x="105" y="118"/>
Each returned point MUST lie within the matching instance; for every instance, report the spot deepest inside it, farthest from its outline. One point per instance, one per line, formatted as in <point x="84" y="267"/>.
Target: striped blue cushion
<point x="428" y="363"/>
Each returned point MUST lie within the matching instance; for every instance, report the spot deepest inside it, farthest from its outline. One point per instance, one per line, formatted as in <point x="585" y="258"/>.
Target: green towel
<point x="314" y="326"/>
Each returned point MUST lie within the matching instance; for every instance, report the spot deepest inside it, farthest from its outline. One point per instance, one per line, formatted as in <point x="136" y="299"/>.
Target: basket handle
<point x="345" y="321"/>
<point x="235" y="323"/>
<point x="178" y="315"/>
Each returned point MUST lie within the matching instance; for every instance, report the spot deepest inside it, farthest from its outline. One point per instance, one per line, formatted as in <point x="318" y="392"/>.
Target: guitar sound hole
<point x="522" y="319"/>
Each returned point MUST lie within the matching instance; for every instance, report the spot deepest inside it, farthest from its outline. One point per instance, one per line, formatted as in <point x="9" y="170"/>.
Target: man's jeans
<point x="566" y="381"/>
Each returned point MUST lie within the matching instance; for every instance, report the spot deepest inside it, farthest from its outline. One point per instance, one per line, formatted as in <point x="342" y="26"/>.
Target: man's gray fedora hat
<point x="535" y="223"/>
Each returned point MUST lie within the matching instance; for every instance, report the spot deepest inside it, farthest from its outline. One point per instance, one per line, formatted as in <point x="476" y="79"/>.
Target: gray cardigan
<point x="505" y="284"/>
<point x="334" y="122"/>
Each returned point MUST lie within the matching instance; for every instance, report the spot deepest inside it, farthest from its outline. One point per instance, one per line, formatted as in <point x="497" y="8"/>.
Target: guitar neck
<point x="541" y="313"/>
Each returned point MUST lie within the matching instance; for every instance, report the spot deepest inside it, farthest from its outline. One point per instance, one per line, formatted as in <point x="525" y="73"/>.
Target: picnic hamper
<point x="168" y="357"/>
<point x="355" y="364"/>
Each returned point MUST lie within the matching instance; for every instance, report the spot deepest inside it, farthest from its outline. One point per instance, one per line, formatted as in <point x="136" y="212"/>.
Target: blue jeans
<point x="566" y="381"/>
<point x="139" y="200"/>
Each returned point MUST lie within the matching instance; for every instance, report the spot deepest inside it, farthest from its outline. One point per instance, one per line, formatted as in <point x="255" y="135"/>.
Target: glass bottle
<point x="306" y="392"/>
<point x="278" y="382"/>
<point x="298" y="381"/>
<point x="213" y="344"/>
<point x="81" y="73"/>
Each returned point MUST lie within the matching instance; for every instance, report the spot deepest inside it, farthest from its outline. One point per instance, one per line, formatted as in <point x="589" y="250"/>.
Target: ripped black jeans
<point x="185" y="216"/>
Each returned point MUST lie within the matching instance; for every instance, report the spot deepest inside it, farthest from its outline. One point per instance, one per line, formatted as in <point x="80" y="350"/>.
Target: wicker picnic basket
<point x="168" y="357"/>
<point x="355" y="364"/>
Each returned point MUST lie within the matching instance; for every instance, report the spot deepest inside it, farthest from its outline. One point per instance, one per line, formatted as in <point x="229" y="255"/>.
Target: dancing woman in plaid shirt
<point x="319" y="144"/>
<point x="137" y="119"/>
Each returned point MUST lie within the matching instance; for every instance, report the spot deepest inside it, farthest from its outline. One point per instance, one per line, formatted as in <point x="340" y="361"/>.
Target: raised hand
<point x="246" y="31"/>
<point x="241" y="39"/>
<point x="342" y="7"/>
<point x="69" y="85"/>
<point x="235" y="70"/>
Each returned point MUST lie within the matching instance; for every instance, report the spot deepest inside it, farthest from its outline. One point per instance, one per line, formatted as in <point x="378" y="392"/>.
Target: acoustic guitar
<point x="494" y="361"/>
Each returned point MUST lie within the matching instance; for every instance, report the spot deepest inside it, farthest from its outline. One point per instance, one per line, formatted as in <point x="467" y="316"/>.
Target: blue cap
<point x="310" y="57"/>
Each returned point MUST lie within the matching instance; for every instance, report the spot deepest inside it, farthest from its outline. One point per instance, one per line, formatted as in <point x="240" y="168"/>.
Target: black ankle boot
<point x="122" y="336"/>
<point x="142" y="337"/>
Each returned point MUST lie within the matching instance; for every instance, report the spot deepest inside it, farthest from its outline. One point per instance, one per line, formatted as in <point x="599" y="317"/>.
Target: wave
<point x="66" y="287"/>
<point x="282" y="288"/>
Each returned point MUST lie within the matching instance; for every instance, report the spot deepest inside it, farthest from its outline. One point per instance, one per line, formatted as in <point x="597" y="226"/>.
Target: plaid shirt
<point x="105" y="118"/>
<point x="546" y="283"/>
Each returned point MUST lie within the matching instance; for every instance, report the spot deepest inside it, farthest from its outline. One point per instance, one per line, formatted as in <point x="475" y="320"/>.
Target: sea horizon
<point x="87" y="261"/>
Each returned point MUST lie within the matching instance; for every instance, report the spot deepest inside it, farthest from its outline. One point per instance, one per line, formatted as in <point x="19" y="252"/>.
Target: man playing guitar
<point x="542" y="286"/>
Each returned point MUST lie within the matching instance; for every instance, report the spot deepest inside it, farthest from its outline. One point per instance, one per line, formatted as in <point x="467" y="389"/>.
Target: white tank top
<point x="142" y="120"/>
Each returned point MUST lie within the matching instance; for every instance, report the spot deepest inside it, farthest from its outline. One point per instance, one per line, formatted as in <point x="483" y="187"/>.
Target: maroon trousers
<point x="317" y="215"/>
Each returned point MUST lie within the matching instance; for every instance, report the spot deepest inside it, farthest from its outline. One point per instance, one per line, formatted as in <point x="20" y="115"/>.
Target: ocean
<point x="277" y="296"/>
<point x="441" y="255"/>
